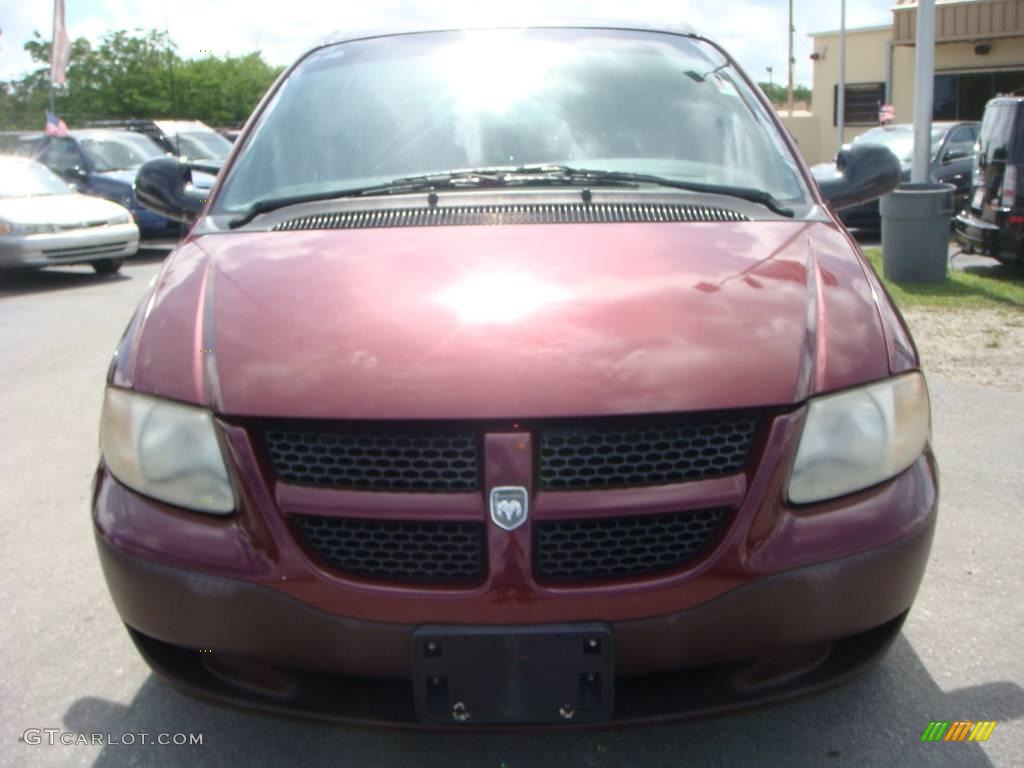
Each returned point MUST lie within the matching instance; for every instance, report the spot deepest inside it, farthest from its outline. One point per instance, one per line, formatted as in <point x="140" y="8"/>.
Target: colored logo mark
<point x="958" y="730"/>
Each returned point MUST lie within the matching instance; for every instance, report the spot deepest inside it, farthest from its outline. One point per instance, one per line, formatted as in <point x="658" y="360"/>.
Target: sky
<point x="753" y="31"/>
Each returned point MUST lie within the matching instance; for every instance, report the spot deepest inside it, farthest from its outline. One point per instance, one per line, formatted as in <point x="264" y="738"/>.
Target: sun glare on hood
<point x="500" y="298"/>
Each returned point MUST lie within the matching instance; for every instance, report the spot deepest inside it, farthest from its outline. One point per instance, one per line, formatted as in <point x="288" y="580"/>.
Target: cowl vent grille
<point x="490" y="215"/>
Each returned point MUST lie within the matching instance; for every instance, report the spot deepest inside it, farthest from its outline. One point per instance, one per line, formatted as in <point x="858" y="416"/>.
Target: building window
<point x="963" y="95"/>
<point x="863" y="101"/>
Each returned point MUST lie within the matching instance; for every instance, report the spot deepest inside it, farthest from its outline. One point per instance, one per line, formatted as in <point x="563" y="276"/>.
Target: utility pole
<point x="841" y="85"/>
<point x="789" y="92"/>
<point x="924" y="83"/>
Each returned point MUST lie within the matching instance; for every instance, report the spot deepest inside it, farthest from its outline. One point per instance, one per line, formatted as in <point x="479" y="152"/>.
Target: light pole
<point x="841" y="85"/>
<point x="924" y="83"/>
<point x="789" y="90"/>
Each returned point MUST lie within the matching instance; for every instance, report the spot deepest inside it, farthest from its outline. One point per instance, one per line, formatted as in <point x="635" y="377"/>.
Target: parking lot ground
<point x="68" y="664"/>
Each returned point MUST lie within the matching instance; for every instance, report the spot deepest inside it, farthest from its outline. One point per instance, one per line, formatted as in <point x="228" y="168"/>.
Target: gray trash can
<point x="915" y="232"/>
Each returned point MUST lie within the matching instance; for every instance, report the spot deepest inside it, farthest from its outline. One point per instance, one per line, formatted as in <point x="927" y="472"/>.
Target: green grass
<point x="973" y="288"/>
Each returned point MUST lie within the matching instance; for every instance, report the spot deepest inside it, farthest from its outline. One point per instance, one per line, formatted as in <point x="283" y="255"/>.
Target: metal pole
<point x="924" y="86"/>
<point x="789" y="92"/>
<point x="841" y="85"/>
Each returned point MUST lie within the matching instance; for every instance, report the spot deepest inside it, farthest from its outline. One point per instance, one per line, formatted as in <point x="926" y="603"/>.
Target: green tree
<point x="135" y="74"/>
<point x="777" y="93"/>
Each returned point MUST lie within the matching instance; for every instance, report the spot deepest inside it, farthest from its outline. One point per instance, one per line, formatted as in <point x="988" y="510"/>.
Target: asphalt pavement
<point x="68" y="664"/>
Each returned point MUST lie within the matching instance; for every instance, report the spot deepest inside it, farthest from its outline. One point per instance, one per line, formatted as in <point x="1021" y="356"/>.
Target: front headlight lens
<point x="856" y="439"/>
<point x="35" y="229"/>
<point x="165" y="450"/>
<point x="124" y="218"/>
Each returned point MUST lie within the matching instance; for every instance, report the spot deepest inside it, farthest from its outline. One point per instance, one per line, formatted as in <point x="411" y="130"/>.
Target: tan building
<point x="979" y="52"/>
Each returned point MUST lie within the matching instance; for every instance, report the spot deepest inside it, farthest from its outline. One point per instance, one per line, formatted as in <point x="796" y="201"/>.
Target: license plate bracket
<point x="552" y="673"/>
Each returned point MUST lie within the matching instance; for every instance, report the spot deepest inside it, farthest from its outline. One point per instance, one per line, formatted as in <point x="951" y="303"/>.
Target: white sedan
<point x="44" y="222"/>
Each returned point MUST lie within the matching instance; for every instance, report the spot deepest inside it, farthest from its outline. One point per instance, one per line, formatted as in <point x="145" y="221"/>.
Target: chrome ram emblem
<point x="509" y="506"/>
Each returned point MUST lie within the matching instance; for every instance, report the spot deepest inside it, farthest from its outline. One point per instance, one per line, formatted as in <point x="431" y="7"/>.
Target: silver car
<point x="44" y="222"/>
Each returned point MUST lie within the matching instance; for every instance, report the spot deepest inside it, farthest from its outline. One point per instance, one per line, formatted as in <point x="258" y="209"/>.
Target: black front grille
<point x="523" y="213"/>
<point x="375" y="459"/>
<point x="394" y="550"/>
<point x="638" y="453"/>
<point x="613" y="547"/>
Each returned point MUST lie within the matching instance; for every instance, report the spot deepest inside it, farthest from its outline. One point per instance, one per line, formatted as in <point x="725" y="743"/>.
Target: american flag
<point x="55" y="126"/>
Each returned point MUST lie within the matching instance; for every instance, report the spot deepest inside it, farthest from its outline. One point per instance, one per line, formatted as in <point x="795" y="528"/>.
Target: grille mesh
<point x="385" y="460"/>
<point x="636" y="454"/>
<point x="602" y="548"/>
<point x="398" y="550"/>
<point x="562" y="213"/>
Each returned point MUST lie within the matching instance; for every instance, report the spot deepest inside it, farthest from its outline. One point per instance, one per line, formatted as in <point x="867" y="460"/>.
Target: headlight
<point x="35" y="229"/>
<point x="124" y="218"/>
<point x="165" y="450"/>
<point x="856" y="439"/>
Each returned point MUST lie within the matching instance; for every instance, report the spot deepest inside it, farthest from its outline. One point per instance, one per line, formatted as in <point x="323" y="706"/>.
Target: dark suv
<point x="993" y="222"/>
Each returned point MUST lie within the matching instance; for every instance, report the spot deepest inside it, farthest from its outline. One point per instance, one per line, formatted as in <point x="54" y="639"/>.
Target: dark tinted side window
<point x="961" y="138"/>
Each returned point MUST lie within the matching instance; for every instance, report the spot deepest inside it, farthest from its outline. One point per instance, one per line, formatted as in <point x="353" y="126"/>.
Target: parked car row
<point x="104" y="162"/>
<point x="58" y="178"/>
<point x="983" y="161"/>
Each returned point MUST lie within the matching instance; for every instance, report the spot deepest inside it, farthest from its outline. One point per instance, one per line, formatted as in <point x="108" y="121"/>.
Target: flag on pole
<point x="55" y="126"/>
<point x="60" y="48"/>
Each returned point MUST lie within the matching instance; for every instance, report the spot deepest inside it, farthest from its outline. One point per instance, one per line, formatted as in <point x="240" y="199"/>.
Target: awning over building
<point x="961" y="20"/>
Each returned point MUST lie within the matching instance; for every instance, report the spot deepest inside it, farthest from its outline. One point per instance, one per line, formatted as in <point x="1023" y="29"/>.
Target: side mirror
<point x="164" y="185"/>
<point x="864" y="172"/>
<point x="953" y="154"/>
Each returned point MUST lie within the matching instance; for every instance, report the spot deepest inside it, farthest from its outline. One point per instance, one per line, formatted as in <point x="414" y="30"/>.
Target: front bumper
<point x="781" y="637"/>
<point x="787" y="601"/>
<point x="75" y="247"/>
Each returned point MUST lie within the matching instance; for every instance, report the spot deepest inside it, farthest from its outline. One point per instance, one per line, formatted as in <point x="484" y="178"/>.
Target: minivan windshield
<point x="366" y="112"/>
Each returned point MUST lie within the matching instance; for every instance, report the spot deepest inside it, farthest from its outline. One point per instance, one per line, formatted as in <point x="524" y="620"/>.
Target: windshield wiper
<point x="591" y="174"/>
<point x="502" y="176"/>
<point x="465" y="179"/>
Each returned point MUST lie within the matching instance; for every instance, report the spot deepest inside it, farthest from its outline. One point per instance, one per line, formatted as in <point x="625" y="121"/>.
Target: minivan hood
<point x="506" y="322"/>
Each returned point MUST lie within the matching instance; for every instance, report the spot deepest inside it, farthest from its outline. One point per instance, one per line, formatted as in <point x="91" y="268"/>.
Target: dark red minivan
<point x="514" y="376"/>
